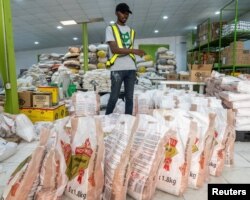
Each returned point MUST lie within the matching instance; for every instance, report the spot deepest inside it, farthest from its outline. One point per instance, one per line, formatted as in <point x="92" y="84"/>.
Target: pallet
<point x="243" y="136"/>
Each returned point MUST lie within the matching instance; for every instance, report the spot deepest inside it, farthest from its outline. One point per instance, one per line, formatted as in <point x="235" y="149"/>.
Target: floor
<point x="239" y="173"/>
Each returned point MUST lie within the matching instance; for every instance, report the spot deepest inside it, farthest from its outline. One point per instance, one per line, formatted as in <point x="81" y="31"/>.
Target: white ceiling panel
<point x="37" y="19"/>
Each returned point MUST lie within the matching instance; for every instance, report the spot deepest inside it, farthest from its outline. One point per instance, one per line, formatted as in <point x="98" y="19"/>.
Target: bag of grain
<point x="117" y="154"/>
<point x="85" y="171"/>
<point x="174" y="172"/>
<point x="146" y="157"/>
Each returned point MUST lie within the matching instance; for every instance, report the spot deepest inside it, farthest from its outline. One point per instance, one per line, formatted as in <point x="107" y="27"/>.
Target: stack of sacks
<point x="146" y="156"/>
<point x="102" y="56"/>
<point x="201" y="148"/>
<point x="150" y="75"/>
<point x="69" y="158"/>
<point x="71" y="59"/>
<point x="220" y="82"/>
<point x="224" y="134"/>
<point x="235" y="94"/>
<point x="50" y="62"/>
<point x="31" y="79"/>
<point x="117" y="168"/>
<point x="166" y="62"/>
<point x="143" y="102"/>
<point x="99" y="78"/>
<point x="240" y="103"/>
<point x="146" y="64"/>
<point x="144" y="84"/>
<point x="175" y="169"/>
<point x="86" y="103"/>
<point x="92" y="62"/>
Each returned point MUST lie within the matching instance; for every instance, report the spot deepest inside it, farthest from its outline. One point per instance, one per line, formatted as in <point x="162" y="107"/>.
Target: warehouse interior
<point x="192" y="84"/>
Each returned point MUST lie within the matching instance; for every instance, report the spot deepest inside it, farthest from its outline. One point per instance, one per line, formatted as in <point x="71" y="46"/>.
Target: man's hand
<point x="139" y="52"/>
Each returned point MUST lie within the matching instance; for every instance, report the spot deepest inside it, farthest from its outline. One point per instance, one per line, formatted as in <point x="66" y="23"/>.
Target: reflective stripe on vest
<point x="118" y="39"/>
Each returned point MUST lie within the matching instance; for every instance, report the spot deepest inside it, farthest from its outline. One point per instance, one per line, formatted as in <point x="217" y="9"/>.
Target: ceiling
<point x="36" y="20"/>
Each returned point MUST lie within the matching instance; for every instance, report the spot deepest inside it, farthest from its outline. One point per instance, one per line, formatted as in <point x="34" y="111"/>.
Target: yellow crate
<point x="44" y="114"/>
<point x="62" y="111"/>
<point x="53" y="90"/>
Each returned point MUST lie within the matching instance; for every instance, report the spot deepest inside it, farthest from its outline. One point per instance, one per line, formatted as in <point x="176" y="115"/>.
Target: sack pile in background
<point x="235" y="94"/>
<point x="165" y="61"/>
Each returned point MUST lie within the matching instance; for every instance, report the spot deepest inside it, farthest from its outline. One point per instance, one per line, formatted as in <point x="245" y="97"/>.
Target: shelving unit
<point x="223" y="40"/>
<point x="234" y="36"/>
<point x="205" y="42"/>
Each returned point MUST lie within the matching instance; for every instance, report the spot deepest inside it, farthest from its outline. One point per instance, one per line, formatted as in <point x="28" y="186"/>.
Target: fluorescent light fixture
<point x="75" y="38"/>
<point x="156" y="31"/>
<point x="36" y="42"/>
<point x="112" y="22"/>
<point x="59" y="27"/>
<point x="68" y="22"/>
<point x="217" y="12"/>
<point x="165" y="17"/>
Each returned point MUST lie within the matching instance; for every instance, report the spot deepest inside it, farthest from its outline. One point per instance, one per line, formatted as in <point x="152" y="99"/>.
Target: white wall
<point x="25" y="59"/>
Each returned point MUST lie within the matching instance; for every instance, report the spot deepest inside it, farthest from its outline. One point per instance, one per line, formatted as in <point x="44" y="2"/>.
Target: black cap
<point x="123" y="7"/>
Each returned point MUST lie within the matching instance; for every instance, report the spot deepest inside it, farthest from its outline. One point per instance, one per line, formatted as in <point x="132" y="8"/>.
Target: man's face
<point x="122" y="17"/>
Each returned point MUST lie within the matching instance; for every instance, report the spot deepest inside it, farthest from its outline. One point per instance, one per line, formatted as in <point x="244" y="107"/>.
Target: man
<point x="120" y="39"/>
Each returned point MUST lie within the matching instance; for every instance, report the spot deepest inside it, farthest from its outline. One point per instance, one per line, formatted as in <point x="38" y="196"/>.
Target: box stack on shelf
<point x="242" y="55"/>
<point x="241" y="26"/>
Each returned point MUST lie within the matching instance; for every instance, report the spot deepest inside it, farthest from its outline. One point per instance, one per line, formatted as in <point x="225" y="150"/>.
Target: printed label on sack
<point x="170" y="152"/>
<point x="115" y="144"/>
<point x="195" y="147"/>
<point x="66" y="151"/>
<point x="79" y="162"/>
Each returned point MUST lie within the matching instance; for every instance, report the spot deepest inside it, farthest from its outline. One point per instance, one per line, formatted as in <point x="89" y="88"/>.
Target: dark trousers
<point x="117" y="77"/>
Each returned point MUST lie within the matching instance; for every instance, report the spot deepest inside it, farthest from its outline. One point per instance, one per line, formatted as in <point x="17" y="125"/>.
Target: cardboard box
<point x="42" y="99"/>
<point x="172" y="76"/>
<point x="45" y="114"/>
<point x="238" y="45"/>
<point x="25" y="98"/>
<point x="54" y="90"/>
<point x="198" y="72"/>
<point x="184" y="77"/>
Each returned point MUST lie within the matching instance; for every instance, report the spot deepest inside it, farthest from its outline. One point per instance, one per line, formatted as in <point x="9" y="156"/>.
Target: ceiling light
<point x="111" y="22"/>
<point x="156" y="31"/>
<point x="36" y="42"/>
<point x="217" y="12"/>
<point x="75" y="38"/>
<point x="68" y="22"/>
<point x="165" y="17"/>
<point x="59" y="27"/>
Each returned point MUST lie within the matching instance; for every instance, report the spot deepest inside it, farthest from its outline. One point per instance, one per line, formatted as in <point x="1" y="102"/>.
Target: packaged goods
<point x="174" y="172"/>
<point x="52" y="175"/>
<point x="24" y="181"/>
<point x="117" y="154"/>
<point x="86" y="103"/>
<point x="201" y="148"/>
<point x="231" y="96"/>
<point x="224" y="132"/>
<point x="85" y="168"/>
<point x="146" y="157"/>
<point x="24" y="128"/>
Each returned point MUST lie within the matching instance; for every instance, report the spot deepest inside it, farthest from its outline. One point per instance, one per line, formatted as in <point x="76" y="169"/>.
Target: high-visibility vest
<point x="117" y="35"/>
